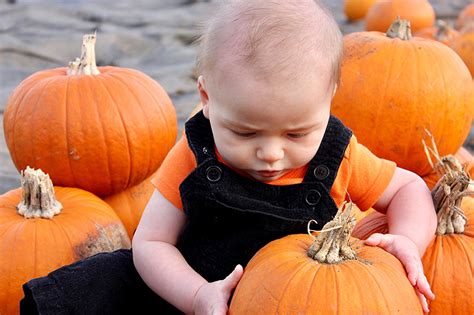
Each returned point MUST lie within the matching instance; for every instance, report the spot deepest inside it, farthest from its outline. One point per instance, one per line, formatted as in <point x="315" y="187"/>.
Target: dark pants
<point x="106" y="283"/>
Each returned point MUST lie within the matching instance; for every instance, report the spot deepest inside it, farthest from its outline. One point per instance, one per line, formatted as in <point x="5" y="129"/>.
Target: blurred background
<point x="152" y="36"/>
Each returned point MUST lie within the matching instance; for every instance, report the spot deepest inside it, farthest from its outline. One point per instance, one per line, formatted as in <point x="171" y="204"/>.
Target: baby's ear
<point x="204" y="96"/>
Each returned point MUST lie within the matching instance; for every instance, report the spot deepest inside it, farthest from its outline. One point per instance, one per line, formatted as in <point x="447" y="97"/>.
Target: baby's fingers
<point x="380" y="240"/>
<point x="230" y="282"/>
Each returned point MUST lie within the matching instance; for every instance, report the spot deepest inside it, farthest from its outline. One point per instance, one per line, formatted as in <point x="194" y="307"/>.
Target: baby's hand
<point x="212" y="298"/>
<point x="407" y="252"/>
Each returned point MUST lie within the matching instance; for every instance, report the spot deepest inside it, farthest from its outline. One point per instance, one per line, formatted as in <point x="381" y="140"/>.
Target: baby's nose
<point x="270" y="154"/>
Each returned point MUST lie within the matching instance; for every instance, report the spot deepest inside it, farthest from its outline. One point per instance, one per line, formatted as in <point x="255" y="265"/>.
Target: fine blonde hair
<point x="271" y="36"/>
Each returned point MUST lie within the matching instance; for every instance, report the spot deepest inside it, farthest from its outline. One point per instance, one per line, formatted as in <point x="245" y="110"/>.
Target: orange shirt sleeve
<point x="178" y="164"/>
<point x="363" y="174"/>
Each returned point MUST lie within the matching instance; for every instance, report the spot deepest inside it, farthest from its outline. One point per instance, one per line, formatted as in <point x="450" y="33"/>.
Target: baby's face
<point x="264" y="129"/>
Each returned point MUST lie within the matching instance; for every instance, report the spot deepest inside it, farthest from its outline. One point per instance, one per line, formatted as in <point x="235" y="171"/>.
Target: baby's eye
<point x="297" y="135"/>
<point x="244" y="134"/>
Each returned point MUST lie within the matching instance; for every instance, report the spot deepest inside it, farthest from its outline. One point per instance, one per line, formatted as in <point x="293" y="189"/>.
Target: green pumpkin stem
<point x="449" y="191"/>
<point x="85" y="65"/>
<point x="38" y="199"/>
<point x="332" y="243"/>
<point x="400" y="29"/>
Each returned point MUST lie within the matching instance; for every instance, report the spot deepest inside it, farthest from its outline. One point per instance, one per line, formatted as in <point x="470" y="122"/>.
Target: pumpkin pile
<point x="102" y="129"/>
<point x="96" y="132"/>
<point x="419" y="85"/>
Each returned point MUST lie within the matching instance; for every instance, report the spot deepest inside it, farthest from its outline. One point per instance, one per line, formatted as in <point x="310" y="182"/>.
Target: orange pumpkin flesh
<point x="99" y="132"/>
<point x="282" y="279"/>
<point x="33" y="247"/>
<point x="418" y="84"/>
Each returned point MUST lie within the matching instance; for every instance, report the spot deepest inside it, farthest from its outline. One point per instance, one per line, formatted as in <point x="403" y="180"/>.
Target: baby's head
<point x="268" y="67"/>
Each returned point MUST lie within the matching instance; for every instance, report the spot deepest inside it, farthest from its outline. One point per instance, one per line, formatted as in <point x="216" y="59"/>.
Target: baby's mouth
<point x="268" y="173"/>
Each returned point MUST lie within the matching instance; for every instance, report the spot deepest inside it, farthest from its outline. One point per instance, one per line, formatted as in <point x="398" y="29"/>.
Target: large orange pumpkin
<point x="394" y="86"/>
<point x="447" y="262"/>
<point x="299" y="275"/>
<point x="420" y="13"/>
<point x="357" y="9"/>
<point x="100" y="129"/>
<point x="52" y="227"/>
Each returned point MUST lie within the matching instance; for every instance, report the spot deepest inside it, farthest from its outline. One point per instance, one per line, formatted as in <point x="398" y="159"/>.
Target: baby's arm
<point x="164" y="269"/>
<point x="411" y="223"/>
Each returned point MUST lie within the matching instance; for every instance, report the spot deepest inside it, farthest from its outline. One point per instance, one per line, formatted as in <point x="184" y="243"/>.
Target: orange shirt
<point x="363" y="175"/>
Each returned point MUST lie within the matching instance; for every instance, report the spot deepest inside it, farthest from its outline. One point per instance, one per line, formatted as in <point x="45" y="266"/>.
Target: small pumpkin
<point x="43" y="228"/>
<point x="447" y="262"/>
<point x="389" y="109"/>
<point x="357" y="9"/>
<point x="440" y="32"/>
<point x="301" y="275"/>
<point x="420" y="13"/>
<point x="102" y="129"/>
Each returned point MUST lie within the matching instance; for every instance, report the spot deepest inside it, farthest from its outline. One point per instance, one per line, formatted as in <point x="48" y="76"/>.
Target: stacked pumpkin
<point x="100" y="131"/>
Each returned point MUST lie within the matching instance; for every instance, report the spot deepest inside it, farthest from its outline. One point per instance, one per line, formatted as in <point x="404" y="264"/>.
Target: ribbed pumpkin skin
<point x="130" y="203"/>
<point x="380" y="16"/>
<point x="357" y="9"/>
<point x="31" y="248"/>
<point x="281" y="279"/>
<point x="100" y="133"/>
<point x="463" y="45"/>
<point x="391" y="90"/>
<point x="448" y="262"/>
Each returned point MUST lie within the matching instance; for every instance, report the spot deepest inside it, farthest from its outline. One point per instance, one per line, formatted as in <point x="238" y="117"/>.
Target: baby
<point x="264" y="157"/>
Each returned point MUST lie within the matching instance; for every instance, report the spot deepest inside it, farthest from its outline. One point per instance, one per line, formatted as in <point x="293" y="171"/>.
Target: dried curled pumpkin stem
<point x="38" y="199"/>
<point x="449" y="191"/>
<point x="332" y="243"/>
<point x="86" y="64"/>
<point x="400" y="29"/>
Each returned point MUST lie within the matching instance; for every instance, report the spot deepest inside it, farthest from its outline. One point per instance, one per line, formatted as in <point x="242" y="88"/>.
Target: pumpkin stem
<point x="449" y="191"/>
<point x="86" y="64"/>
<point x="442" y="31"/>
<point x="38" y="199"/>
<point x="332" y="243"/>
<point x="400" y="29"/>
